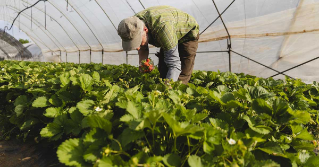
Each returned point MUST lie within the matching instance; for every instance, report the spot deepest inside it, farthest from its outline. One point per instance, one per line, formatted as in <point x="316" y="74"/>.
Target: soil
<point x="16" y="153"/>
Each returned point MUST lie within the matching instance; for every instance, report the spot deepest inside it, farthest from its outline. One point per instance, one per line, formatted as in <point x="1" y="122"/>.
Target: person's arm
<point x="143" y="53"/>
<point x="173" y="63"/>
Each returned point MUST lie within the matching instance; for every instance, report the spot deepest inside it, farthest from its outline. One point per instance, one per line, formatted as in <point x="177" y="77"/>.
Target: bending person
<point x="174" y="31"/>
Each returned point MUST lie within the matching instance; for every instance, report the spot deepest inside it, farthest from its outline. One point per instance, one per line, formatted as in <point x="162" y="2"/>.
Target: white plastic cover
<point x="280" y="34"/>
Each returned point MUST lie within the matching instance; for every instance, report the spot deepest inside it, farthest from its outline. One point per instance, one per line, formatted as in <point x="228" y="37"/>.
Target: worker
<point x="172" y="30"/>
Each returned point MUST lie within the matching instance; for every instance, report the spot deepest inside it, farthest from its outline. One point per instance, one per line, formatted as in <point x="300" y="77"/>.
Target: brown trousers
<point x="187" y="54"/>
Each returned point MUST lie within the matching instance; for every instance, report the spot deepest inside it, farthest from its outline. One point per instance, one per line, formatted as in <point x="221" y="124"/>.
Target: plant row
<point x="107" y="115"/>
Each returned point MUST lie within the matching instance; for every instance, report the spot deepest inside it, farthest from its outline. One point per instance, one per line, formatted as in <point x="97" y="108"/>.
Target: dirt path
<point x="14" y="153"/>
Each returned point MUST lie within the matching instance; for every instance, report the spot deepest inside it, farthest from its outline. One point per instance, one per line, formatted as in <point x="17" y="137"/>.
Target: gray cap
<point x="130" y="30"/>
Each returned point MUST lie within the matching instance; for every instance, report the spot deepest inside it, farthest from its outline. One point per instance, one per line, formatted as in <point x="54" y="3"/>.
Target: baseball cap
<point x="130" y="30"/>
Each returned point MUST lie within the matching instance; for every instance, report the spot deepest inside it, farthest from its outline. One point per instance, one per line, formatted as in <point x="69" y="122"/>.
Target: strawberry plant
<point x="106" y="115"/>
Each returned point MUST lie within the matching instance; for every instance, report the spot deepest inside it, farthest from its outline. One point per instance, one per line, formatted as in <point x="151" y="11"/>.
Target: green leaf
<point x="300" y="116"/>
<point x="154" y="115"/>
<point x="296" y="128"/>
<point x="70" y="152"/>
<point x="129" y="135"/>
<point x="304" y="134"/>
<point x="175" y="97"/>
<point x="302" y="145"/>
<point x="190" y="91"/>
<point x="181" y="128"/>
<point x="93" y="136"/>
<point x="260" y="106"/>
<point x="54" y="100"/>
<point x="254" y="135"/>
<point x="65" y="79"/>
<point x="105" y="162"/>
<point x="126" y="118"/>
<point x="86" y="82"/>
<point x="195" y="161"/>
<point x="27" y="124"/>
<point x="75" y="115"/>
<point x="312" y="162"/>
<point x="19" y="109"/>
<point x="267" y="163"/>
<point x="233" y="104"/>
<point x="140" y="125"/>
<point x="96" y="76"/>
<point x="54" y="130"/>
<point x="280" y="106"/>
<point x="95" y="121"/>
<point x="217" y="123"/>
<point x="85" y="107"/>
<point x="208" y="148"/>
<point x="273" y="149"/>
<point x="201" y="90"/>
<point x="71" y="126"/>
<point x="133" y="110"/>
<point x="227" y="97"/>
<point x="21" y="100"/>
<point x="40" y="102"/>
<point x="213" y="136"/>
<point x="199" y="117"/>
<point x="258" y="92"/>
<point x="243" y="94"/>
<point x="152" y="160"/>
<point x="110" y="94"/>
<point x="92" y="153"/>
<point x="262" y="129"/>
<point x="52" y="112"/>
<point x="222" y="89"/>
<point x="51" y="130"/>
<point x="172" y="160"/>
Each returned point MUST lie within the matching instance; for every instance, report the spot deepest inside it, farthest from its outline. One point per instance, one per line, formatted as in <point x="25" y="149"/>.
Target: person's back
<point x="168" y="26"/>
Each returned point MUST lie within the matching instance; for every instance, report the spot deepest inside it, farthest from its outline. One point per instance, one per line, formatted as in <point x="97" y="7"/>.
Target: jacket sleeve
<point x="173" y="63"/>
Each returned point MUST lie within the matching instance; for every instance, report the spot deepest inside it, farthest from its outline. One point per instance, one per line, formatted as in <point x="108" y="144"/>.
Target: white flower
<point x="157" y="92"/>
<point x="304" y="151"/>
<point x="146" y="150"/>
<point x="98" y="109"/>
<point x="231" y="141"/>
<point x="289" y="138"/>
<point x="2" y="69"/>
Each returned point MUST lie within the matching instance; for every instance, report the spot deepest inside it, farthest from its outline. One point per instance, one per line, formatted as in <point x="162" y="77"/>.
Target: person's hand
<point x="167" y="83"/>
<point x="146" y="66"/>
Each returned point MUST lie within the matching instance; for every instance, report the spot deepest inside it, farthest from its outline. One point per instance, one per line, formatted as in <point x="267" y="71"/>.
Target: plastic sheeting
<point x="278" y="34"/>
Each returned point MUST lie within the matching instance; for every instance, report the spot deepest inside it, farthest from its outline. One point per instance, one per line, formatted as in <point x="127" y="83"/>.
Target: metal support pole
<point x="261" y="64"/>
<point x="60" y="56"/>
<point x="229" y="38"/>
<point x="229" y="61"/>
<point x="66" y="56"/>
<point x="126" y="57"/>
<point x="79" y="56"/>
<point x="102" y="56"/>
<point x="296" y="66"/>
<point x="90" y="55"/>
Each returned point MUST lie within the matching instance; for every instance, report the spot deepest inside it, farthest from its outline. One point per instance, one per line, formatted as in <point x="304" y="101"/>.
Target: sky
<point x="15" y="32"/>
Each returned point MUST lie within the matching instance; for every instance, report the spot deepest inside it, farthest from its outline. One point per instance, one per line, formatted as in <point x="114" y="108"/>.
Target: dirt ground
<point x="15" y="153"/>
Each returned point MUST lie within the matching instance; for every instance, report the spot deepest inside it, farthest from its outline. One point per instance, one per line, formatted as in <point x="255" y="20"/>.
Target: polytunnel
<point x="265" y="38"/>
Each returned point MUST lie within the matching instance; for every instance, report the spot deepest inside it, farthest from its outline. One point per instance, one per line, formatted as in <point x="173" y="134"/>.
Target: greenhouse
<point x="70" y="87"/>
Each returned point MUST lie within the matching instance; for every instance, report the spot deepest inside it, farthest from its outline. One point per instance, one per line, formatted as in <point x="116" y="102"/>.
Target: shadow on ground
<point x="15" y="153"/>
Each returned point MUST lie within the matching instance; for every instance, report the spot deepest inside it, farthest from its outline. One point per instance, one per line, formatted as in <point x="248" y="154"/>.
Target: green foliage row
<point x="24" y="41"/>
<point x="105" y="115"/>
